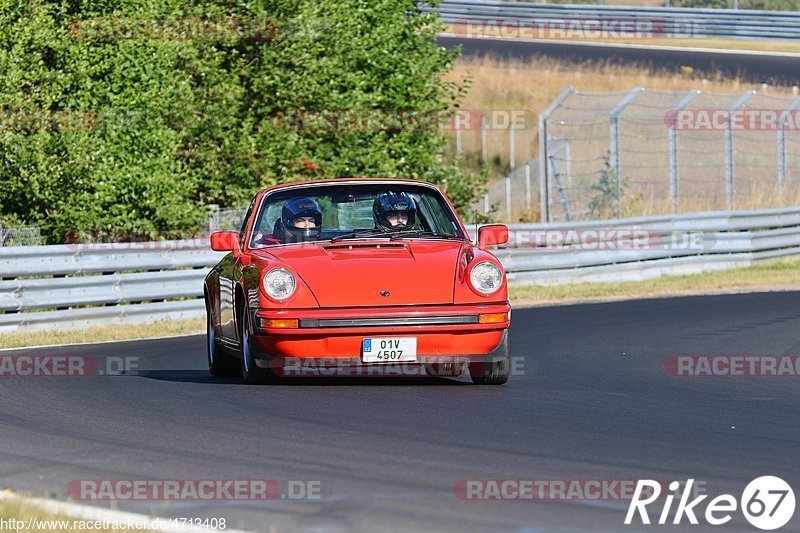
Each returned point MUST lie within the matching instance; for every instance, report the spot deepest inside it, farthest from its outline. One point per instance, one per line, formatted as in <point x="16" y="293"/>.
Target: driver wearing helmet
<point x="300" y="221"/>
<point x="394" y="211"/>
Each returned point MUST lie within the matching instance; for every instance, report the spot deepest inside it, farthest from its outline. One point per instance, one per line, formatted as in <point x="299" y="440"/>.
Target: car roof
<point x="335" y="181"/>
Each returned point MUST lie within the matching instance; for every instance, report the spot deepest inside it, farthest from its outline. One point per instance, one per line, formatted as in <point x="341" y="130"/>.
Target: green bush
<point x="141" y="134"/>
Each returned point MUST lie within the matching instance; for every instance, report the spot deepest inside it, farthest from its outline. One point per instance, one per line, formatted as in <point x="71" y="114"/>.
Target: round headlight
<point x="279" y="283"/>
<point x="486" y="277"/>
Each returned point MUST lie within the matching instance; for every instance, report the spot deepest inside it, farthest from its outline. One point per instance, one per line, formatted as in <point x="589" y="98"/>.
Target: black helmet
<point x="300" y="207"/>
<point x="392" y="202"/>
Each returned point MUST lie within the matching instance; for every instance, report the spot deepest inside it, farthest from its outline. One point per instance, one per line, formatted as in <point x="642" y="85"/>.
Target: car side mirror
<point x="225" y="241"/>
<point x="492" y="234"/>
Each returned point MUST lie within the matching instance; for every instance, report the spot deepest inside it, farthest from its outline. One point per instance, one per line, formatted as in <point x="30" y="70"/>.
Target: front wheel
<point x="251" y="373"/>
<point x="490" y="373"/>
<point x="219" y="363"/>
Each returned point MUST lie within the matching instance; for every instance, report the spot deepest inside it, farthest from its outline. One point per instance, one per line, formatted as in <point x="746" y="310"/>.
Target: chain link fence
<point x="228" y="219"/>
<point x="645" y="152"/>
<point x="21" y="236"/>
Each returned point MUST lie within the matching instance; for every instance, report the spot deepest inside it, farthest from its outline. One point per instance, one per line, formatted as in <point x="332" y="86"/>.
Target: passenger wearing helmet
<point x="300" y="221"/>
<point x="394" y="211"/>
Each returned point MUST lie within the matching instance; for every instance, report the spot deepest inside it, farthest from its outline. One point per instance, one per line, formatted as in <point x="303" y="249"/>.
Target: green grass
<point x="777" y="275"/>
<point x="164" y="328"/>
<point x="41" y="521"/>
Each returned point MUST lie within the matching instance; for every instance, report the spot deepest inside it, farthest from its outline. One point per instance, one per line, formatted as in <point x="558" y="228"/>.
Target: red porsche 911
<point x="355" y="272"/>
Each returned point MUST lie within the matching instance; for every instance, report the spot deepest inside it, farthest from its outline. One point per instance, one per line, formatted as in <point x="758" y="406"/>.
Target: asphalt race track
<point x="756" y="67"/>
<point x="594" y="403"/>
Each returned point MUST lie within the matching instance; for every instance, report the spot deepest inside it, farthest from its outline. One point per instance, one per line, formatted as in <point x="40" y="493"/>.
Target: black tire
<point x="490" y="373"/>
<point x="252" y="374"/>
<point x="220" y="364"/>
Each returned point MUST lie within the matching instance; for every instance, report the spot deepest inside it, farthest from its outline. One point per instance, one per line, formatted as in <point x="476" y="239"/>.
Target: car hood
<point x="375" y="273"/>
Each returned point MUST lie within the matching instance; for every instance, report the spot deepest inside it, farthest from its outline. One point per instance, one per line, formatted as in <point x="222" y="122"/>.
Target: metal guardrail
<point x="651" y="246"/>
<point x="669" y="22"/>
<point x="73" y="286"/>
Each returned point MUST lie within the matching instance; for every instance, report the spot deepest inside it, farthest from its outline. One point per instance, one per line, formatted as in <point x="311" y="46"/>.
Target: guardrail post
<point x="508" y="197"/>
<point x="673" y="149"/>
<point x="544" y="185"/>
<point x="782" y="144"/>
<point x="613" y="151"/>
<point x="730" y="178"/>
<point x="484" y="149"/>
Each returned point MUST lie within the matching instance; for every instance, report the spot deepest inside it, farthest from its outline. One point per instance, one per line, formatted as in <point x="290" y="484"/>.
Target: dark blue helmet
<point x="390" y="203"/>
<point x="296" y="208"/>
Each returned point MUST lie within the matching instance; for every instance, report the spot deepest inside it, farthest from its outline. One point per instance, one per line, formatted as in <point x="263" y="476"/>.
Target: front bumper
<point x="450" y="333"/>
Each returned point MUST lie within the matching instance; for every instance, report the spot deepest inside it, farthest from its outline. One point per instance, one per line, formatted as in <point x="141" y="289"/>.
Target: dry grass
<point x="723" y="44"/>
<point x="164" y="328"/>
<point x="530" y="86"/>
<point x="778" y="275"/>
<point x="31" y="519"/>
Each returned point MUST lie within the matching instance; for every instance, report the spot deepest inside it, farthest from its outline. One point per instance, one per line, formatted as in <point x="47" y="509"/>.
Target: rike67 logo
<point x="767" y="503"/>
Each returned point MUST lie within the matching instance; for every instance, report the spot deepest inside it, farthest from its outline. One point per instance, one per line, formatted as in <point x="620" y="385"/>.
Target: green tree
<point x="140" y="134"/>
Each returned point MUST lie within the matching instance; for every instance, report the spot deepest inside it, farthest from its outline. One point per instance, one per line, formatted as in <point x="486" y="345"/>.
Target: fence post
<point x="673" y="148"/>
<point x="458" y="132"/>
<point x="782" y="144"/>
<point x="544" y="185"/>
<point x="213" y="218"/>
<point x="483" y="139"/>
<point x="730" y="179"/>
<point x="613" y="150"/>
<point x="527" y="186"/>
<point x="511" y="145"/>
<point x="559" y="185"/>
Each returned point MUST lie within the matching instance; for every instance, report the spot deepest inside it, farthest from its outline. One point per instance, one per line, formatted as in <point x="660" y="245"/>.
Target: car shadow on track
<point x="203" y="377"/>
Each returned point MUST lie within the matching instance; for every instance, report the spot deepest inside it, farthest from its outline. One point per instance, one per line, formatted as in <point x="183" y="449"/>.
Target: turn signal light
<point x="285" y="323"/>
<point x="492" y="318"/>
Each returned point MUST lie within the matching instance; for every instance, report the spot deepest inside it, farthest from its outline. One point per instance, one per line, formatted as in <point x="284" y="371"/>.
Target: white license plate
<point x="389" y="350"/>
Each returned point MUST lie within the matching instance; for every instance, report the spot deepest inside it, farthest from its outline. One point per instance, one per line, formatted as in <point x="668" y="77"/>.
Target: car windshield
<point x="341" y="212"/>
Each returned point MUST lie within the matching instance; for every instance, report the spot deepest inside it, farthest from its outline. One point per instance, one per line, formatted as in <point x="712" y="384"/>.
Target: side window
<point x="246" y="220"/>
<point x="433" y="214"/>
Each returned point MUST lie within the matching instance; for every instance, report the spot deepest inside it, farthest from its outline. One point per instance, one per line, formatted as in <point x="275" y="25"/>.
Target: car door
<point x="228" y="275"/>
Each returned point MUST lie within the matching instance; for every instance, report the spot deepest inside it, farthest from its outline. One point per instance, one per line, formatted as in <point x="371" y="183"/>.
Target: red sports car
<point x="355" y="273"/>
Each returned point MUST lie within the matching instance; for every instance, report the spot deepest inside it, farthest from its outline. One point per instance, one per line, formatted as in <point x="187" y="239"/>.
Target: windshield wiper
<point x="358" y="234"/>
<point x="418" y="233"/>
